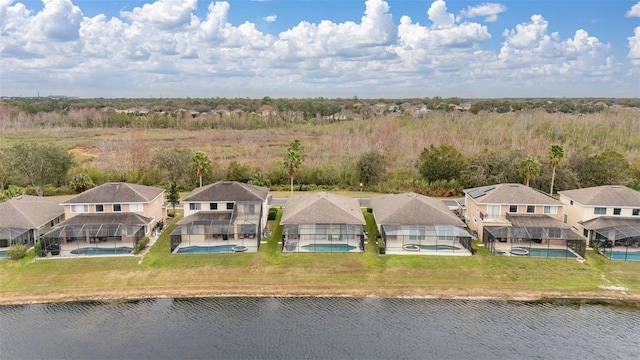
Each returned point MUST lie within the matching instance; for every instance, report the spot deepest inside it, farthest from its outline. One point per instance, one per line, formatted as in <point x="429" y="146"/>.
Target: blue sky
<point x="306" y="48"/>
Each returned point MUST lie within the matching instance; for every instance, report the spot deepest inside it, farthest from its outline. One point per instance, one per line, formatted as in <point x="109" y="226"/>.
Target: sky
<point x="320" y="48"/>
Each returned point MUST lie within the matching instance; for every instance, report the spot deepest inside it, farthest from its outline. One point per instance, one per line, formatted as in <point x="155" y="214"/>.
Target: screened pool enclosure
<point x="12" y="236"/>
<point x="426" y="239"/>
<point x="91" y="239"/>
<point x="619" y="242"/>
<point x="553" y="242"/>
<point x="322" y="238"/>
<point x="219" y="228"/>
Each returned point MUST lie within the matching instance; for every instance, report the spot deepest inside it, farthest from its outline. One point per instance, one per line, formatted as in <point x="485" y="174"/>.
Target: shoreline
<point x="523" y="296"/>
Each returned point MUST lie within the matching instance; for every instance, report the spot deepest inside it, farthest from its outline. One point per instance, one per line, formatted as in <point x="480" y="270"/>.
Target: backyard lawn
<point x="269" y="272"/>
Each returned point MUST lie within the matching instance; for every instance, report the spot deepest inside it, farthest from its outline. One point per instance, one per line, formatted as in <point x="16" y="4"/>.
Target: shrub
<point x="17" y="252"/>
<point x="36" y="248"/>
<point x="273" y="212"/>
<point x="141" y="245"/>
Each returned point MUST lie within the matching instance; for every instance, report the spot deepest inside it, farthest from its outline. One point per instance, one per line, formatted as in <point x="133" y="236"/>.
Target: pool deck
<point x="250" y="244"/>
<point x="397" y="248"/>
<point x="296" y="246"/>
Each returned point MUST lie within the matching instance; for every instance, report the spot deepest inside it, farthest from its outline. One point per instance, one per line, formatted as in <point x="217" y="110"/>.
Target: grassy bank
<point x="272" y="273"/>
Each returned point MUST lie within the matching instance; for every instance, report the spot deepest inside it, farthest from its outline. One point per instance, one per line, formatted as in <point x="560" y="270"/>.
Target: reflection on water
<point x="331" y="328"/>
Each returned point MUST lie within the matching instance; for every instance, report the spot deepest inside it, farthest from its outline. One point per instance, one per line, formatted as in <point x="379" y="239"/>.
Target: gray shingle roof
<point x="111" y="193"/>
<point x="510" y="194"/>
<point x="322" y="208"/>
<point x="29" y="212"/>
<point x="607" y="195"/>
<point x="412" y="209"/>
<point x="228" y="191"/>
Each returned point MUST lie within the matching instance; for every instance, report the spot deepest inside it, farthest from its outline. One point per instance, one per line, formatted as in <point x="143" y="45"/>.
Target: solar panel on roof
<point x="477" y="192"/>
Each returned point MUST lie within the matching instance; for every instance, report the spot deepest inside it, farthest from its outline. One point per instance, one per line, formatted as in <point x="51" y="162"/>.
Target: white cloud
<point x="439" y="15"/>
<point x="634" y="46"/>
<point x="634" y="11"/>
<point x="164" y="49"/>
<point x="489" y="11"/>
<point x="163" y="14"/>
<point x="270" y="18"/>
<point x="59" y="20"/>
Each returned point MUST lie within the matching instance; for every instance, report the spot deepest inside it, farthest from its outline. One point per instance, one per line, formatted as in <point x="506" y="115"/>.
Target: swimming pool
<point x="102" y="251"/>
<point x="621" y="255"/>
<point x="328" y="247"/>
<point x="3" y="254"/>
<point x="546" y="253"/>
<point x="206" y="249"/>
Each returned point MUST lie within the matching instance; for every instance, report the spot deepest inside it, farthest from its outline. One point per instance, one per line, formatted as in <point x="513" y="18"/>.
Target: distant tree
<point x="293" y="159"/>
<point x="40" y="164"/>
<point x="529" y="168"/>
<point x="173" y="197"/>
<point x="371" y="167"/>
<point x="81" y="182"/>
<point x="606" y="168"/>
<point x="11" y="192"/>
<point x="174" y="163"/>
<point x="556" y="153"/>
<point x="238" y="172"/>
<point x="202" y="164"/>
<point x="444" y="162"/>
<point x="6" y="171"/>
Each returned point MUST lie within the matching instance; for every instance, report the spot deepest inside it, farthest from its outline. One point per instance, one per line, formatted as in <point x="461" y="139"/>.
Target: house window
<point x="565" y="218"/>
<point x="194" y="206"/>
<point x="571" y="202"/>
<point x="617" y="211"/>
<point x="99" y="208"/>
<point x="585" y="232"/>
<point x="117" y="207"/>
<point x="513" y="208"/>
<point x="79" y="209"/>
<point x="135" y="207"/>
<point x="635" y="212"/>
<point x="493" y="211"/>
<point x="552" y="210"/>
<point x="229" y="206"/>
<point x="251" y="208"/>
<point x="600" y="211"/>
<point x="213" y="206"/>
<point x="531" y="209"/>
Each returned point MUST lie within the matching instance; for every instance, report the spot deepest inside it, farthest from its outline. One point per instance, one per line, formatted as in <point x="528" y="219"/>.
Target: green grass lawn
<point x="271" y="272"/>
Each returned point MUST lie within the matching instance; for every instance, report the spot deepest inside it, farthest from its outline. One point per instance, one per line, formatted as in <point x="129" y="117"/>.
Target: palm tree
<point x="529" y="168"/>
<point x="293" y="160"/>
<point x="556" y="153"/>
<point x="202" y="164"/>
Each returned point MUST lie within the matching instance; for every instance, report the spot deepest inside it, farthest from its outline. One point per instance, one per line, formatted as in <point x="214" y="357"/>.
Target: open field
<point x="272" y="273"/>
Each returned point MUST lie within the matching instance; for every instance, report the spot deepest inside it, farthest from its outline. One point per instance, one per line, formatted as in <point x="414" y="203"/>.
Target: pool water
<point x="206" y="249"/>
<point x="3" y="254"/>
<point x="328" y="247"/>
<point x="102" y="251"/>
<point x="548" y="253"/>
<point x="621" y="255"/>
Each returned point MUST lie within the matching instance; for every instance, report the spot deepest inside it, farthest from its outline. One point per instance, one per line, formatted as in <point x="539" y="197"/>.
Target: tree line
<point x="442" y="170"/>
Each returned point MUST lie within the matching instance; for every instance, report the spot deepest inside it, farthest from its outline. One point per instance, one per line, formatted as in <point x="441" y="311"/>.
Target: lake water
<point x="318" y="328"/>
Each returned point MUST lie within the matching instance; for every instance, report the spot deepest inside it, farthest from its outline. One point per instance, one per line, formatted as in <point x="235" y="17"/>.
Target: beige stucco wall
<point x="577" y="212"/>
<point x="474" y="209"/>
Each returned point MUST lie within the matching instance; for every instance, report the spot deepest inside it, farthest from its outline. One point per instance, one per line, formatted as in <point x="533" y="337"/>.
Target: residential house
<point x="322" y="222"/>
<point x="226" y="216"/>
<point x="112" y="216"/>
<point x="608" y="215"/>
<point x="23" y="219"/>
<point x="508" y="216"/>
<point x="417" y="224"/>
